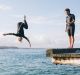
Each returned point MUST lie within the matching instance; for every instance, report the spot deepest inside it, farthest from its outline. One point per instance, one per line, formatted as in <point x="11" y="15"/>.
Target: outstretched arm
<point x="27" y="40"/>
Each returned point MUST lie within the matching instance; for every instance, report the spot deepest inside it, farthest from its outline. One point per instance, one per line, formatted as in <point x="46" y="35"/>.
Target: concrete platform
<point x="64" y="55"/>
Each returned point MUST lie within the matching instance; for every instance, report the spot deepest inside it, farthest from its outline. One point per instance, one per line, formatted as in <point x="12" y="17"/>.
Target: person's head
<point x="67" y="11"/>
<point x="20" y="39"/>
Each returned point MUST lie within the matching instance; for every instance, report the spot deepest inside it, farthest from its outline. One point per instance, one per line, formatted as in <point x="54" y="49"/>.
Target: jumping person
<point x="70" y="26"/>
<point x="20" y="31"/>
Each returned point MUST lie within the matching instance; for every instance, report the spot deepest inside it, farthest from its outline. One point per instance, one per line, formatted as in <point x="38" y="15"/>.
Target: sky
<point x="46" y="21"/>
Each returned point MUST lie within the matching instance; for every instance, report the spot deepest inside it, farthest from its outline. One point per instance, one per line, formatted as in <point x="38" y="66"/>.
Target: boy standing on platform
<point x="70" y="26"/>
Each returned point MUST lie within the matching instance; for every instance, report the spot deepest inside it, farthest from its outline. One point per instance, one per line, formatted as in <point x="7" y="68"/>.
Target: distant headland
<point x="8" y="47"/>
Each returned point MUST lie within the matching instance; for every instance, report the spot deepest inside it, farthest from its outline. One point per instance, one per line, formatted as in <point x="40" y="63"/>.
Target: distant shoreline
<point x="8" y="47"/>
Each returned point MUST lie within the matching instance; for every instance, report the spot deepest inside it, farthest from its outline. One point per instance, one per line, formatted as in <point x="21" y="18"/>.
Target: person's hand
<point x="24" y="17"/>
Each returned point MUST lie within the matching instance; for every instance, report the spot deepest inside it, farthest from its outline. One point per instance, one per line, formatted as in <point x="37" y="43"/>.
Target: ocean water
<point x="32" y="62"/>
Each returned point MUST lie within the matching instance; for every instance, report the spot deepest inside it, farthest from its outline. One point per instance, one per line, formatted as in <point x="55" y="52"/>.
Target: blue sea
<point x="32" y="62"/>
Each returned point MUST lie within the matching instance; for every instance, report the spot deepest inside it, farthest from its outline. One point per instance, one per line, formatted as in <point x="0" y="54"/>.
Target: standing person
<point x="20" y="31"/>
<point x="70" y="26"/>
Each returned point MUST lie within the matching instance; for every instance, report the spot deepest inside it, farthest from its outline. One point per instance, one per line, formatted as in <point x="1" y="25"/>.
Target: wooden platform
<point x="64" y="55"/>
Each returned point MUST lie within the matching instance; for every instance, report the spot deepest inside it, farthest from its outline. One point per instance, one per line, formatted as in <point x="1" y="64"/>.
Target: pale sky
<point x="46" y="20"/>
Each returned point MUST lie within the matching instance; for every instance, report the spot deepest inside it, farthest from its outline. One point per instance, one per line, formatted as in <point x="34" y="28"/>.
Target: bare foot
<point x="70" y="46"/>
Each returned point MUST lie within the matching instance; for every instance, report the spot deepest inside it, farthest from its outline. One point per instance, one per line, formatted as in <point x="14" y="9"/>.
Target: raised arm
<point x="25" y="23"/>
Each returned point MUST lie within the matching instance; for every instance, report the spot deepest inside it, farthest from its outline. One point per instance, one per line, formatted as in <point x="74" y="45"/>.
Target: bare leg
<point x="72" y="41"/>
<point x="27" y="40"/>
<point x="69" y="41"/>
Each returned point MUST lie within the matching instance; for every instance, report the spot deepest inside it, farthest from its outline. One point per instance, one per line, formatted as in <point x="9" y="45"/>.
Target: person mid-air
<point x="20" y="31"/>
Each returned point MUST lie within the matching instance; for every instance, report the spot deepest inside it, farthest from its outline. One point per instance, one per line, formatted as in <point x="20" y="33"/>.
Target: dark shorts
<point x="71" y="30"/>
<point x="20" y="35"/>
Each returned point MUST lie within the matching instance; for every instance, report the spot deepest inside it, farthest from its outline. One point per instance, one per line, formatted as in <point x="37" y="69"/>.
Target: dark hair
<point x="67" y="9"/>
<point x="20" y="39"/>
